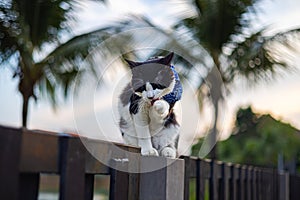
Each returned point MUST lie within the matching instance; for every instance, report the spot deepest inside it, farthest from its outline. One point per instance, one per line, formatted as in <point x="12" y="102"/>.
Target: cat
<point x="147" y="117"/>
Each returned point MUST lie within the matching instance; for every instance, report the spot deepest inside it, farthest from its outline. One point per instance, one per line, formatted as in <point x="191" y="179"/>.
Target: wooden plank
<point x="89" y="186"/>
<point x="255" y="184"/>
<point x="39" y="152"/>
<point x="237" y="182"/>
<point x="124" y="174"/>
<point x="175" y="175"/>
<point x="260" y="184"/>
<point x="250" y="183"/>
<point x="94" y="166"/>
<point x="119" y="185"/>
<point x="190" y="171"/>
<point x="218" y="180"/>
<point x="187" y="169"/>
<point x="100" y="154"/>
<point x="294" y="187"/>
<point x="243" y="181"/>
<point x="121" y="181"/>
<point x="134" y="186"/>
<point x="228" y="179"/>
<point x="205" y="173"/>
<point x="275" y="184"/>
<point x="10" y="147"/>
<point x="164" y="180"/>
<point x="72" y="169"/>
<point x="29" y="186"/>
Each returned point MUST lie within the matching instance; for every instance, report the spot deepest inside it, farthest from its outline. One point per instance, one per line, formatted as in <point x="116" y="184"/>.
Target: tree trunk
<point x="25" y="110"/>
<point x="216" y="81"/>
<point x="214" y="133"/>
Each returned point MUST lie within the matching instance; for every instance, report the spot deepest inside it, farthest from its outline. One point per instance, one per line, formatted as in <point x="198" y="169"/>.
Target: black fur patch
<point x="134" y="104"/>
<point x="170" y="119"/>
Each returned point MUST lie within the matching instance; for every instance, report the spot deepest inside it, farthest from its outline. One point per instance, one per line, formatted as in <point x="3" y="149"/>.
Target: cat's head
<point x="153" y="78"/>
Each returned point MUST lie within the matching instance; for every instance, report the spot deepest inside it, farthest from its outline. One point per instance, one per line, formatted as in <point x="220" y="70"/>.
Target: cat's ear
<point x="132" y="64"/>
<point x="167" y="59"/>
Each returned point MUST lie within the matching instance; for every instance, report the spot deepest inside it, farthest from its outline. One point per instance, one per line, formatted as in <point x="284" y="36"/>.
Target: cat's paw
<point x="168" y="152"/>
<point x="161" y="107"/>
<point x="149" y="152"/>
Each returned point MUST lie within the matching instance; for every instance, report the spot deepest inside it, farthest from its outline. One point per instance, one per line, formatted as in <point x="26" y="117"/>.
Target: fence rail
<point x="25" y="154"/>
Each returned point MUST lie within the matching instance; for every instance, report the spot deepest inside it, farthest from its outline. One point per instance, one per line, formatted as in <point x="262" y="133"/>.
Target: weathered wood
<point x="10" y="147"/>
<point x="119" y="185"/>
<point x="187" y="169"/>
<point x="255" y="184"/>
<point x="294" y="187"/>
<point x="24" y="154"/>
<point x="249" y="182"/>
<point x="218" y="180"/>
<point x="89" y="186"/>
<point x="72" y="169"/>
<point x="204" y="174"/>
<point x="243" y="181"/>
<point x="237" y="183"/>
<point x="228" y="180"/>
<point x="39" y="153"/>
<point x="161" y="183"/>
<point x="29" y="186"/>
<point x="190" y="171"/>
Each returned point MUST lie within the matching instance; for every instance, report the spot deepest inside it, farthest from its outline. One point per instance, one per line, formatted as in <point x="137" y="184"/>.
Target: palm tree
<point x="223" y="28"/>
<point x="27" y="28"/>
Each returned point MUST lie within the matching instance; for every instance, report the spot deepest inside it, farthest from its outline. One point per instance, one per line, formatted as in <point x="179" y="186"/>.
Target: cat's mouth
<point x="153" y="101"/>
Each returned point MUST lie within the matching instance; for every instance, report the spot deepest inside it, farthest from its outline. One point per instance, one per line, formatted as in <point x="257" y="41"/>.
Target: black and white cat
<point x="147" y="118"/>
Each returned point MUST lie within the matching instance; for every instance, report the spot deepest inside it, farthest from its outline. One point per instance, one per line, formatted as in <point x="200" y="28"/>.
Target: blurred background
<point x="61" y="69"/>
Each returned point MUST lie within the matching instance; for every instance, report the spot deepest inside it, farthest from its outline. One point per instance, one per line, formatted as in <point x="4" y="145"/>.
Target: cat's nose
<point x="150" y="94"/>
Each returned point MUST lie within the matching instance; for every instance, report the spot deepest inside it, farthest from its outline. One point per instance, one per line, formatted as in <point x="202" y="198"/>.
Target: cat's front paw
<point x="149" y="152"/>
<point x="161" y="107"/>
<point x="168" y="152"/>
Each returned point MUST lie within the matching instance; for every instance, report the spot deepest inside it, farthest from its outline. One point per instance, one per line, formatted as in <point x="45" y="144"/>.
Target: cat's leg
<point x="129" y="135"/>
<point x="164" y="138"/>
<point x="127" y="127"/>
<point x="141" y="123"/>
<point x="166" y="141"/>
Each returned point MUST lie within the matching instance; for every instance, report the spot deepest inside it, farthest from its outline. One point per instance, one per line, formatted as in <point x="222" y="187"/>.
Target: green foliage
<point x="258" y="140"/>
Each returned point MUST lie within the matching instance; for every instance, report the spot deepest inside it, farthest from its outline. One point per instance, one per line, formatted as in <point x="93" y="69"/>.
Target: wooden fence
<point x="25" y="155"/>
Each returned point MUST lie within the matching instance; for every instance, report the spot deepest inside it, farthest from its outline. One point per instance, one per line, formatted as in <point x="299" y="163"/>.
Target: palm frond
<point x="257" y="58"/>
<point x="218" y="20"/>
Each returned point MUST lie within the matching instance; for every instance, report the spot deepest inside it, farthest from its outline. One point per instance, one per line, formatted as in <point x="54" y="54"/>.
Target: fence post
<point x="163" y="183"/>
<point x="125" y="164"/>
<point x="89" y="186"/>
<point x="119" y="184"/>
<point x="250" y="183"/>
<point x="294" y="187"/>
<point x="71" y="168"/>
<point x="237" y="182"/>
<point x="228" y="180"/>
<point x="204" y="173"/>
<point x="218" y="180"/>
<point x="29" y="185"/>
<point x="283" y="185"/>
<point x="243" y="181"/>
<point x="10" y="147"/>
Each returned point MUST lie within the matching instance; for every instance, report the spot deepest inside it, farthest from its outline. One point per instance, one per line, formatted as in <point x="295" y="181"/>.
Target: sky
<point x="281" y="97"/>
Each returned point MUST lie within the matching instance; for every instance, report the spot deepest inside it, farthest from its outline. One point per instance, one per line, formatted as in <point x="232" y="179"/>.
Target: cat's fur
<point x="146" y="106"/>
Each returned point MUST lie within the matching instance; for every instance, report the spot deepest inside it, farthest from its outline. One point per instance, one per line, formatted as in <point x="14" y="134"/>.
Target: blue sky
<point x="281" y="98"/>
